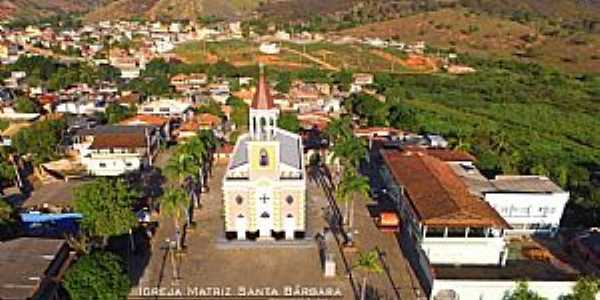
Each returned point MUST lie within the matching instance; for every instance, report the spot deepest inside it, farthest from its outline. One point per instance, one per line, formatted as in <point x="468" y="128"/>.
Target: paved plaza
<point x="211" y="266"/>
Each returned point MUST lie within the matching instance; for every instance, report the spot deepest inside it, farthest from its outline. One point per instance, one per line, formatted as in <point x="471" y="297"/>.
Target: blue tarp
<point x="42" y="224"/>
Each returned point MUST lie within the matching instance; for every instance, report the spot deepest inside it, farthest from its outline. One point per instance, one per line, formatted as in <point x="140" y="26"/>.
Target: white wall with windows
<point x="530" y="212"/>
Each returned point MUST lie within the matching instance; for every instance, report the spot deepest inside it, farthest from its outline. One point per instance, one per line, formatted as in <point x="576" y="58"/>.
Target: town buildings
<point x="264" y="187"/>
<point x="457" y="241"/>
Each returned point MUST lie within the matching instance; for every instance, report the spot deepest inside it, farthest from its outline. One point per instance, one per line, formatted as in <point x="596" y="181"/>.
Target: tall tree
<point x="99" y="275"/>
<point x="351" y="187"/>
<point x="107" y="207"/>
<point x="181" y="165"/>
<point x="368" y="262"/>
<point x="175" y="204"/>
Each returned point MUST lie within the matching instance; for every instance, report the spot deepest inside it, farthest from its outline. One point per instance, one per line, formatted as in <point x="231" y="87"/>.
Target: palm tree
<point x="352" y="186"/>
<point x="180" y="165"/>
<point x="197" y="150"/>
<point x="368" y="262"/>
<point x="174" y="203"/>
<point x="211" y="142"/>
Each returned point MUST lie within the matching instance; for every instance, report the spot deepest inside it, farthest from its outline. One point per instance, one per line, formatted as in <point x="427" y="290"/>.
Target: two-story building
<point x="455" y="240"/>
<point x="116" y="150"/>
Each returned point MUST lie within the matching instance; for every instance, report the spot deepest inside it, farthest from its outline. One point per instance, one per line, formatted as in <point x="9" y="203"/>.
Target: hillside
<point x="483" y="34"/>
<point x="35" y="9"/>
<point x="171" y="9"/>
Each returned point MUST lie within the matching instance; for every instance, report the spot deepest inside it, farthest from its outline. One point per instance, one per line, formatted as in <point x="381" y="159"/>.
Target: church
<point x="264" y="188"/>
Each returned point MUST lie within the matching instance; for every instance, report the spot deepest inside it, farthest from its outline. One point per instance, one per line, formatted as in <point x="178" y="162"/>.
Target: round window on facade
<point x="289" y="200"/>
<point x="239" y="200"/>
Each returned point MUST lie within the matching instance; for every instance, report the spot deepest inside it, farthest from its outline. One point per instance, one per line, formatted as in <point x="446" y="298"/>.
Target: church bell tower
<point x="263" y="113"/>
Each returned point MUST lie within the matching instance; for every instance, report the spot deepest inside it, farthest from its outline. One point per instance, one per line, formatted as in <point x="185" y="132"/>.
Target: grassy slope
<point x="485" y="35"/>
<point x="173" y="9"/>
<point x="33" y="9"/>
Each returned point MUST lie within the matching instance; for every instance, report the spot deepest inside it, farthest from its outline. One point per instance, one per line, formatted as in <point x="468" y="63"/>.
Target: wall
<point x="115" y="166"/>
<point x="485" y="251"/>
<point x="495" y="290"/>
<point x="534" y="201"/>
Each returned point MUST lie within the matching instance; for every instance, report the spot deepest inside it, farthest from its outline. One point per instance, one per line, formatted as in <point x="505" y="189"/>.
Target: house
<point x="530" y="204"/>
<point x="116" y="150"/>
<point x="169" y="108"/>
<point x="33" y="268"/>
<point x="457" y="240"/>
<point x="436" y="141"/>
<point x="223" y="154"/>
<point x="199" y="122"/>
<point x="269" y="48"/>
<point x="362" y="79"/>
<point x="160" y="123"/>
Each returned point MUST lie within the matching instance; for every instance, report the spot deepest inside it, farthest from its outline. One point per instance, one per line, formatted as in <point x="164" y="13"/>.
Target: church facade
<point x="264" y="188"/>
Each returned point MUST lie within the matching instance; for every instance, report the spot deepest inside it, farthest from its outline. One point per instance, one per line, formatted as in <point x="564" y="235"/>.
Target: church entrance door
<point x="264" y="210"/>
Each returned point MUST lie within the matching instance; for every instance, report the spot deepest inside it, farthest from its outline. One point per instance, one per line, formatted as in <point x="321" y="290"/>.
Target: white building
<point x="116" y="150"/>
<point x="530" y="204"/>
<point x="457" y="241"/>
<point x="169" y="108"/>
<point x="269" y="48"/>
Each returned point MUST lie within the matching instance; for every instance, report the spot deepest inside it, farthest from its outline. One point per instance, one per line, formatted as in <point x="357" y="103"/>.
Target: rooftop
<point x="119" y="140"/>
<point x="436" y="194"/>
<point x="145" y="119"/>
<point x="262" y="98"/>
<point x="27" y="261"/>
<point x="547" y="262"/>
<point x="525" y="184"/>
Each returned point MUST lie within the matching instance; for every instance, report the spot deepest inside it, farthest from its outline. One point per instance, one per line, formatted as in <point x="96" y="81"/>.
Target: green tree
<point x="352" y="186"/>
<point x="40" y="140"/>
<point x="26" y="105"/>
<point x="522" y="292"/>
<point x="284" y="82"/>
<point x="116" y="113"/>
<point x="239" y="113"/>
<point x="586" y="288"/>
<point x="107" y="207"/>
<point x="289" y="122"/>
<point x="181" y="165"/>
<point x="8" y="220"/>
<point x="100" y="275"/>
<point x="175" y="203"/>
<point x="343" y="79"/>
<point x="368" y="262"/>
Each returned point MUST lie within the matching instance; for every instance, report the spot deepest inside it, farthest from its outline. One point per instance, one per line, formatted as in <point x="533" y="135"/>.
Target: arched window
<point x="289" y="216"/>
<point x="289" y="199"/>
<point x="264" y="158"/>
<point x="239" y="200"/>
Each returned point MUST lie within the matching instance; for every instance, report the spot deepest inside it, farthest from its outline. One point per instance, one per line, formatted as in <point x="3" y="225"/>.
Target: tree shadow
<point x="135" y="250"/>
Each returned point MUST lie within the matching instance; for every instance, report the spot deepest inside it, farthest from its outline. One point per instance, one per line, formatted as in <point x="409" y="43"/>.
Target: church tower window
<point x="264" y="158"/>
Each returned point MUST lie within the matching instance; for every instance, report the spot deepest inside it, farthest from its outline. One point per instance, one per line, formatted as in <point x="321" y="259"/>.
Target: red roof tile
<point x="145" y="119"/>
<point x="119" y="140"/>
<point x="437" y="195"/>
<point x="262" y="97"/>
